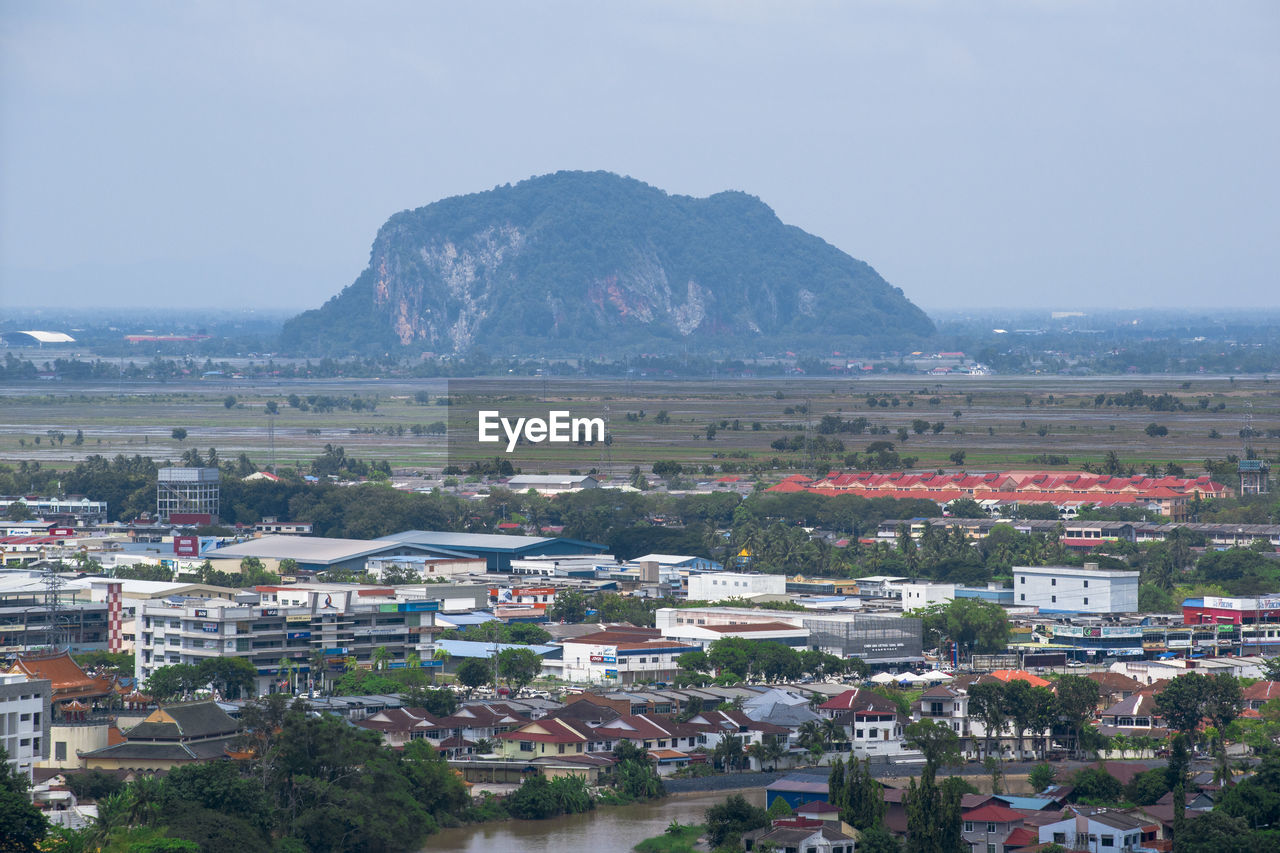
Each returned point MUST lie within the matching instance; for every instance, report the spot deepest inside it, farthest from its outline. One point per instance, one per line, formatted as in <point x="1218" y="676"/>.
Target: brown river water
<point x="607" y="829"/>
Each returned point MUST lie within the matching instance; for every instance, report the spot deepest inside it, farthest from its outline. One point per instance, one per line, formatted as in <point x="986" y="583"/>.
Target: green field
<point x="999" y="423"/>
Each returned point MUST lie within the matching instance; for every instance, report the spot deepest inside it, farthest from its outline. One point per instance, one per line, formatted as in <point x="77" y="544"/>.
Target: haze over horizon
<point x="1039" y="155"/>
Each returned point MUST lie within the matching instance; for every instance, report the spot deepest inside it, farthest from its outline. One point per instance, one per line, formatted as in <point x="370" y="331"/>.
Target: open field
<point x="999" y="420"/>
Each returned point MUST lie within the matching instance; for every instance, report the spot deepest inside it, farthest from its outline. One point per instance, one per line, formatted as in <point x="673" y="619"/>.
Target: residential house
<point x="872" y="722"/>
<point x="986" y="828"/>
<point x="1097" y="831"/>
<point x="1134" y="717"/>
<point x="546" y="737"/>
<point x="795" y="834"/>
<point x="1260" y="693"/>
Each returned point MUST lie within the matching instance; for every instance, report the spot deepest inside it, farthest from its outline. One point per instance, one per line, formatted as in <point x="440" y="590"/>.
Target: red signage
<point x="186" y="546"/>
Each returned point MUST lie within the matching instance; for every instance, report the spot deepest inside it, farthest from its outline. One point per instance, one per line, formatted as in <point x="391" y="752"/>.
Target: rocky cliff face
<point x="566" y="262"/>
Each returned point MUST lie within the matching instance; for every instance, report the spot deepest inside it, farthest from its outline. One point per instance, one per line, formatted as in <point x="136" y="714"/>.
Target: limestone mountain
<point x="590" y="262"/>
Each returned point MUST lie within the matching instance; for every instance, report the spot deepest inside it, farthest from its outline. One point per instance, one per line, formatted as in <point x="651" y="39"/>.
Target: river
<point x="607" y="829"/>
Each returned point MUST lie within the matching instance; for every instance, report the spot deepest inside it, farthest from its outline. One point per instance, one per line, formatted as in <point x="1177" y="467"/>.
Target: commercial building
<point x="623" y="656"/>
<point x="552" y="484"/>
<point x="187" y="495"/>
<point x="717" y="586"/>
<point x="72" y="511"/>
<point x="1221" y="610"/>
<point x="498" y="550"/>
<point x="313" y="553"/>
<point x="304" y="624"/>
<point x="24" y="720"/>
<point x="1068" y="589"/>
<point x="875" y="638"/>
<point x="33" y="615"/>
<point x="779" y="631"/>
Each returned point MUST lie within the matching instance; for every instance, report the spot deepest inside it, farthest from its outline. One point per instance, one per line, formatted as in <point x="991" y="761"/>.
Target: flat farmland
<point x="997" y="421"/>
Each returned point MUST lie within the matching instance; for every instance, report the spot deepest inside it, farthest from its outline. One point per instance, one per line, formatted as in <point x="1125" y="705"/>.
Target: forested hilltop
<point x="566" y="263"/>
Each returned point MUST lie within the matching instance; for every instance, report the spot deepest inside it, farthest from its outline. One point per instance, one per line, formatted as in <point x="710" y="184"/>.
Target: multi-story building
<point x="1069" y="589"/>
<point x="24" y="720"/>
<point x="623" y="656"/>
<point x="307" y="625"/>
<point x="875" y="638"/>
<point x="187" y="495"/>
<point x="74" y="510"/>
<point x="34" y="615"/>
<point x="717" y="586"/>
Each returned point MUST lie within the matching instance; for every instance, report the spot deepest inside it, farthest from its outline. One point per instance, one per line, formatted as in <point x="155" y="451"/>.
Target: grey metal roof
<point x="307" y="549"/>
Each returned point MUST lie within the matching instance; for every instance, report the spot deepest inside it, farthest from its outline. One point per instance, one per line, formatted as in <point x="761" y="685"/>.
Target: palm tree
<point x="443" y="656"/>
<point x="381" y="657"/>
<point x="833" y="732"/>
<point x="1121" y="744"/>
<point x="287" y="669"/>
<point x="317" y="669"/>
<point x="729" y="751"/>
<point x="759" y="753"/>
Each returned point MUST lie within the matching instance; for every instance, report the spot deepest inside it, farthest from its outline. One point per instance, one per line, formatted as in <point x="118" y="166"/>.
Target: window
<point x="526" y="746"/>
<point x="991" y="848"/>
<point x="1086" y="601"/>
<point x="1053" y="599"/>
<point x="1059" y="838"/>
<point x="1022" y="579"/>
<point x="968" y="826"/>
<point x="1108" y="841"/>
<point x="1024" y="597"/>
<point x="1086" y="584"/>
<point x="60" y="750"/>
<point x="991" y="827"/>
<point x="1053" y="582"/>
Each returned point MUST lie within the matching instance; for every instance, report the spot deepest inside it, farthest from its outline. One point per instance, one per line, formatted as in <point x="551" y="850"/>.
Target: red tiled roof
<point x="1261" y="691"/>
<point x="993" y="813"/>
<point x="69" y="681"/>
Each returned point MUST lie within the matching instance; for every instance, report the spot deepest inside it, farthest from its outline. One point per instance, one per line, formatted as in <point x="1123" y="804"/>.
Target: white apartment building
<point x="1068" y="589"/>
<point x="266" y="625"/>
<point x="717" y="586"/>
<point x="622" y="657"/>
<point x="24" y="720"/>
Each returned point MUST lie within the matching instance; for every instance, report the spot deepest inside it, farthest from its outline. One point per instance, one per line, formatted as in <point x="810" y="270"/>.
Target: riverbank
<point x="606" y="829"/>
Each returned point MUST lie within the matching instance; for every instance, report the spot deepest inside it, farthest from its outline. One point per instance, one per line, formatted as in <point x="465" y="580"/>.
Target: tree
<point x="858" y="795"/>
<point x="1027" y="707"/>
<point x="977" y="626"/>
<point x="22" y="825"/>
<point x="936" y="741"/>
<point x="958" y="457"/>
<point x="229" y="401"/>
<point x="518" y="667"/>
<point x="1077" y="698"/>
<point x="175" y="681"/>
<point x="18" y="511"/>
<point x="1096" y="786"/>
<point x="1041" y="777"/>
<point x="570" y="606"/>
<point x="473" y="673"/>
<point x="987" y="703"/>
<point x="178" y="434"/>
<point x="933" y="818"/>
<point x="727" y="821"/>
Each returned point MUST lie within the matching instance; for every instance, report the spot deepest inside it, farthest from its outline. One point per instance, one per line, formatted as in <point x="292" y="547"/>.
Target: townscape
<point x="651" y="427"/>
<point x="1091" y="683"/>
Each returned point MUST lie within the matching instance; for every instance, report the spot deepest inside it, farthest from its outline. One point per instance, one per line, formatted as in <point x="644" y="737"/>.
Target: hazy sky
<point x="1019" y="153"/>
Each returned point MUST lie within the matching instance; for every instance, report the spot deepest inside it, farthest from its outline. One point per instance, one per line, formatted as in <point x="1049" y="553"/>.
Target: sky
<point x="1024" y="154"/>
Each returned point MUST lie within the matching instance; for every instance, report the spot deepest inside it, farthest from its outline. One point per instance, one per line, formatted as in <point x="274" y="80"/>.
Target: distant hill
<point x="590" y="262"/>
